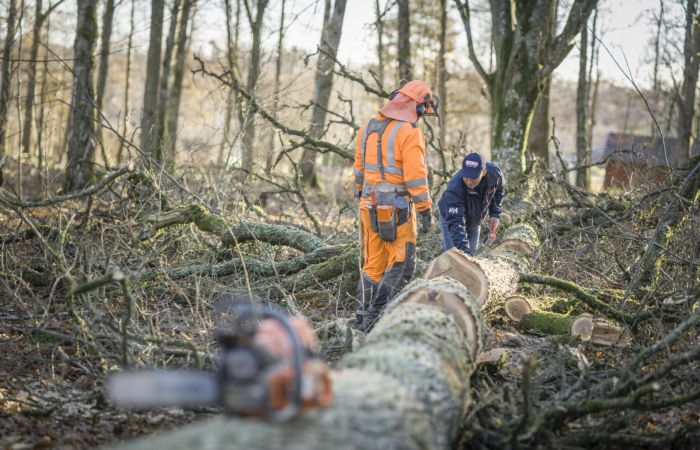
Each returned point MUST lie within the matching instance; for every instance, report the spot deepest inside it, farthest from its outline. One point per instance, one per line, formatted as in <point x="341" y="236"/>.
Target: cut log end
<point x="460" y="267"/>
<point x="516" y="245"/>
<point x="607" y="334"/>
<point x="517" y="307"/>
<point x="582" y="327"/>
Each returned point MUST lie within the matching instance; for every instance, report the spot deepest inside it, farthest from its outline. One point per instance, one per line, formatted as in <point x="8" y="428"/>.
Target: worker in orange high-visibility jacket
<point x="391" y="179"/>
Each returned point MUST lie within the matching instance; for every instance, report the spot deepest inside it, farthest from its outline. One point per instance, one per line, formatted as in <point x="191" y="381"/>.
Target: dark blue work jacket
<point x="463" y="208"/>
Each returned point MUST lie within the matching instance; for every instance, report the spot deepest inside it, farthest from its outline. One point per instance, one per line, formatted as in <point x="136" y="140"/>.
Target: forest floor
<point x="55" y="350"/>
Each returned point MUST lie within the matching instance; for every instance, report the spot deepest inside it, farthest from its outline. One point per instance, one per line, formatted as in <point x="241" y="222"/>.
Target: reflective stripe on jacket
<point x="402" y="163"/>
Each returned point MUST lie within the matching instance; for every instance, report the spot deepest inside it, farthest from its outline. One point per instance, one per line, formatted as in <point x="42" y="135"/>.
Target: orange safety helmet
<point x="413" y="100"/>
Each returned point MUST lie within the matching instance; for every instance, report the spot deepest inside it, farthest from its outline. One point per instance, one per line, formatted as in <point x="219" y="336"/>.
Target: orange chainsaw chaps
<point x="378" y="255"/>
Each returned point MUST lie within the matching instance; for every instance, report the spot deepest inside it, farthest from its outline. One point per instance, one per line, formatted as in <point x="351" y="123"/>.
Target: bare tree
<point x="404" y="43"/>
<point x="525" y="57"/>
<point x="686" y="100"/>
<point x="6" y="74"/>
<point x="442" y="73"/>
<point x="173" y="110"/>
<point x="333" y="16"/>
<point x="255" y="19"/>
<point x="127" y="84"/>
<point x="165" y="79"/>
<point x="81" y="124"/>
<point x="39" y="19"/>
<point x="583" y="174"/>
<point x="107" y="19"/>
<point x="276" y="89"/>
<point x="232" y="32"/>
<point x="150" y="90"/>
<point x="538" y="136"/>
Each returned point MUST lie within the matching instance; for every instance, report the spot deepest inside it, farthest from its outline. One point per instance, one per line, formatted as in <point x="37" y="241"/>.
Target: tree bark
<point x="442" y="74"/>
<point x="404" y="43"/>
<point x="323" y="83"/>
<point x="539" y="129"/>
<point x="163" y="95"/>
<point x="248" y="117"/>
<point x="583" y="154"/>
<point x="686" y="102"/>
<point x="525" y="57"/>
<point x="379" y="24"/>
<point x="276" y="90"/>
<point x="233" y="100"/>
<point x="107" y="18"/>
<point x="31" y="78"/>
<point x="7" y="74"/>
<point x="150" y="91"/>
<point x="127" y="83"/>
<point x="81" y="125"/>
<point x="173" y="109"/>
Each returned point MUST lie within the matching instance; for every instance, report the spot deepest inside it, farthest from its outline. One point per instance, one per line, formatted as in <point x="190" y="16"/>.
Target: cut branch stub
<point x="582" y="327"/>
<point x="608" y="334"/>
<point x="517" y="307"/>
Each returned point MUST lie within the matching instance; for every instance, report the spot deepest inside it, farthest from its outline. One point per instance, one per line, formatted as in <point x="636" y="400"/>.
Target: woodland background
<point x="193" y="148"/>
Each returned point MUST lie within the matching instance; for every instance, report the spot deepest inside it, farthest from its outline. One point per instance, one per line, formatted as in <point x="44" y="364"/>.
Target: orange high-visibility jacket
<point x="402" y="160"/>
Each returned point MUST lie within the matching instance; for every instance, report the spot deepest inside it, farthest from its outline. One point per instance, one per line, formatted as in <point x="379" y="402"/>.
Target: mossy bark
<point x="406" y="387"/>
<point x="547" y="322"/>
<point x="243" y="231"/>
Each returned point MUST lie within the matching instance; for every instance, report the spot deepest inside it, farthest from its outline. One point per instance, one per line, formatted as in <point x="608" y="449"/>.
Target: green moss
<point x="547" y="322"/>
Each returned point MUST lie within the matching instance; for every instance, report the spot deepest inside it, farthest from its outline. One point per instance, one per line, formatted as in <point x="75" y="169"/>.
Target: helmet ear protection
<point x="432" y="101"/>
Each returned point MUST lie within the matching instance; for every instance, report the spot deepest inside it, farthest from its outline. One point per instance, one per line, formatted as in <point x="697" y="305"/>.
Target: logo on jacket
<point x="453" y="210"/>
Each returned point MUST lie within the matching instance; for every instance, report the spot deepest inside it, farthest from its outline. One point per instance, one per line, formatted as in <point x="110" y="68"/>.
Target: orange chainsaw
<point x="267" y="368"/>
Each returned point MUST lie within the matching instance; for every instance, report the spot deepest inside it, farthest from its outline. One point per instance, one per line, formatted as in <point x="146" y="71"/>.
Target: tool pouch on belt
<point x="391" y="211"/>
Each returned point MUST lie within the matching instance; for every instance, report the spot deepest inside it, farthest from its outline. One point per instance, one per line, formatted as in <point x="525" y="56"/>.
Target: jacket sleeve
<point x="415" y="169"/>
<point x="359" y="167"/>
<point x="454" y="218"/>
<point x="496" y="205"/>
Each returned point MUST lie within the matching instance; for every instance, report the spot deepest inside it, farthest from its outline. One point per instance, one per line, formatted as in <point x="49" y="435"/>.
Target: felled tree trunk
<point x="406" y="387"/>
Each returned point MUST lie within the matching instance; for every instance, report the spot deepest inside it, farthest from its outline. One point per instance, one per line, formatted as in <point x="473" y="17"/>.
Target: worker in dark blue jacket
<point x="478" y="187"/>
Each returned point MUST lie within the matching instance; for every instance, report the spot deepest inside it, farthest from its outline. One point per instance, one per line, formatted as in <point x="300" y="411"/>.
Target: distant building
<point x="632" y="158"/>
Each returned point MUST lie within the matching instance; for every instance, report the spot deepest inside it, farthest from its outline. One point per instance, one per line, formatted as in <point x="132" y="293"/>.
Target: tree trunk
<point x="7" y="74"/>
<point x="127" y="83"/>
<point x="233" y="100"/>
<point x="323" y="82"/>
<point x="164" y="80"/>
<point x="248" y="117"/>
<point x="442" y="74"/>
<point x="379" y="23"/>
<point x="686" y="102"/>
<point x="525" y="57"/>
<point x="107" y="19"/>
<point x="537" y="142"/>
<point x="31" y="78"/>
<point x="404" y="44"/>
<point x="173" y="109"/>
<point x="81" y="125"/>
<point x="276" y="91"/>
<point x="150" y="91"/>
<point x="583" y="154"/>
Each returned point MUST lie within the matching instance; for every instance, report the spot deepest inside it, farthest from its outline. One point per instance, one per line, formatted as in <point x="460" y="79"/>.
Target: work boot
<point x="366" y="288"/>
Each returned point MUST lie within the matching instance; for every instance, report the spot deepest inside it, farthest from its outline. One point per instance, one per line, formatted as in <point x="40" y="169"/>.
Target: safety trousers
<point x="386" y="268"/>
